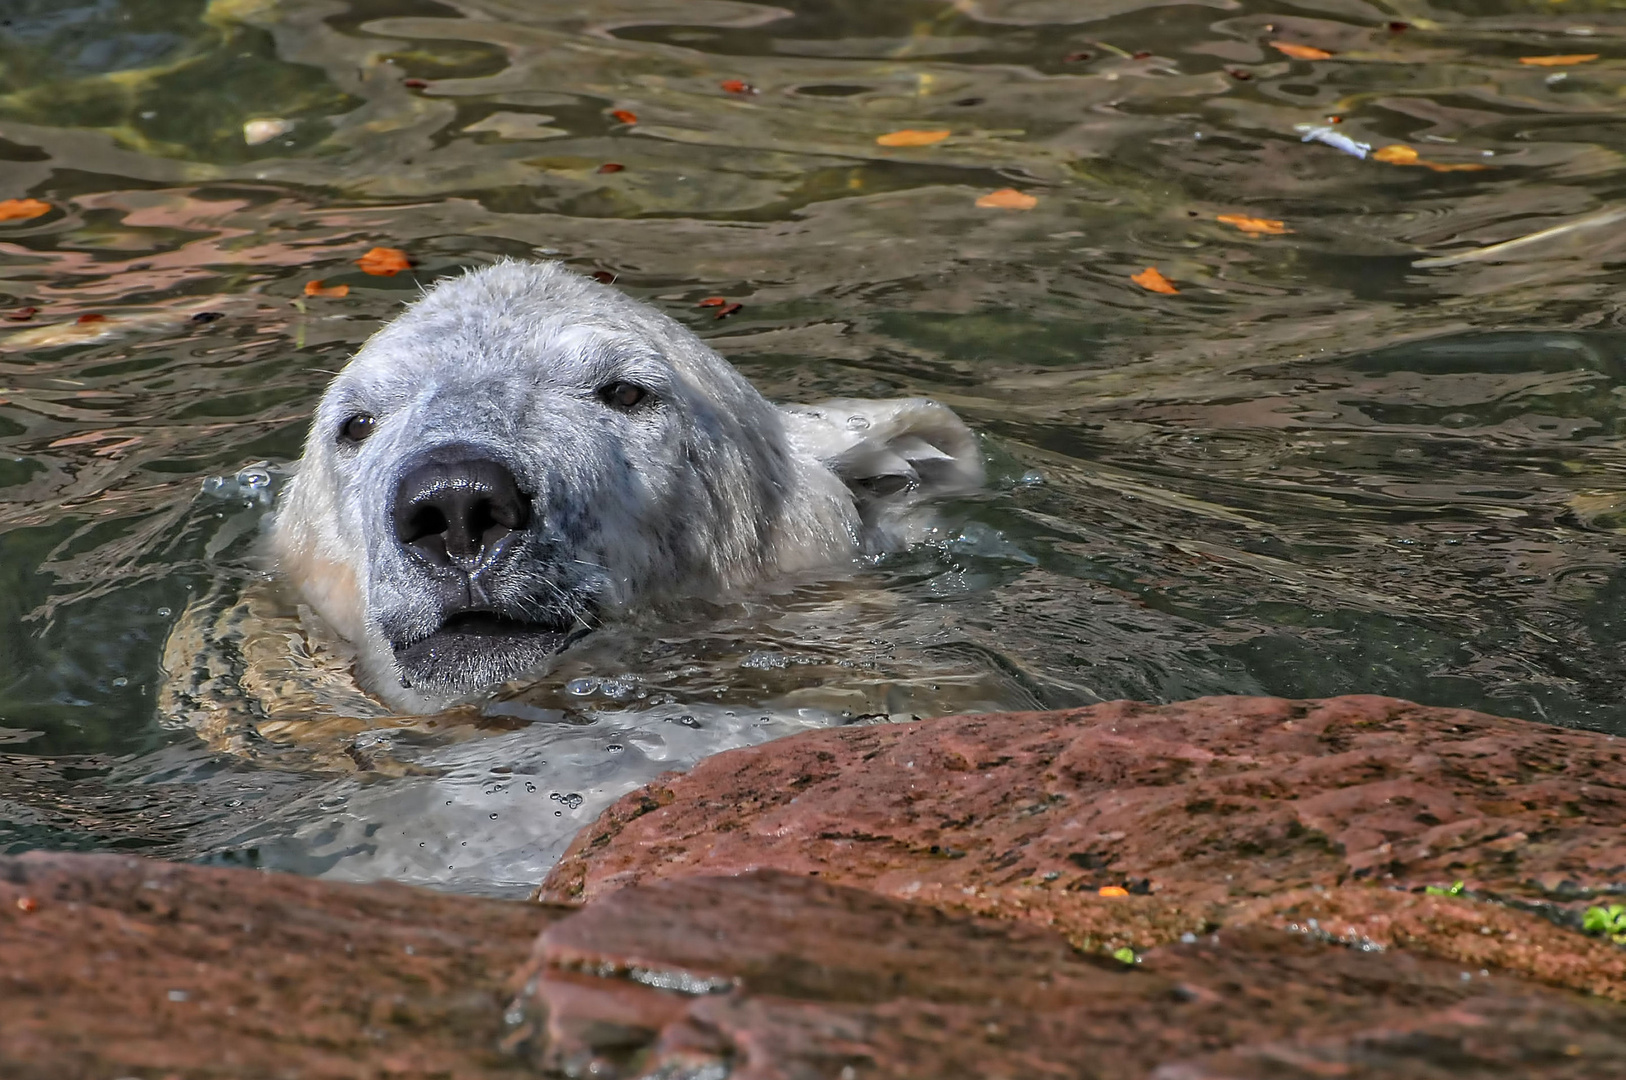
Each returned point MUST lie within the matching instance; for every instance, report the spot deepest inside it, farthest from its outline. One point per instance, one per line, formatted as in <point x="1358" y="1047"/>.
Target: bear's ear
<point x="890" y="454"/>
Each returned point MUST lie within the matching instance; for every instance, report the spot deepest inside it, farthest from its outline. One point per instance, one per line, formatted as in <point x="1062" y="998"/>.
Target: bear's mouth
<point x="480" y="648"/>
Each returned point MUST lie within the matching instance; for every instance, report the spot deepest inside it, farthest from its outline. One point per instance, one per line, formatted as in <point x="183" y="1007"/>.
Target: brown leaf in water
<point x="603" y="277"/>
<point x="626" y="116"/>
<point x="712" y="301"/>
<point x="726" y="310"/>
<point x="1150" y="279"/>
<point x="415" y="84"/>
<point x="316" y="288"/>
<point x="1558" y="61"/>
<point x="1254" y="226"/>
<point x="90" y="317"/>
<point x="1301" y="52"/>
<point x="384" y="262"/>
<point x="911" y="137"/>
<point x="611" y="167"/>
<point x="22" y="209"/>
<point x="1007" y="199"/>
<point x="22" y="314"/>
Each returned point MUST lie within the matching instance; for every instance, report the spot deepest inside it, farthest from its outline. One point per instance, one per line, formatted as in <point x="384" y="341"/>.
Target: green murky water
<point x="1356" y="456"/>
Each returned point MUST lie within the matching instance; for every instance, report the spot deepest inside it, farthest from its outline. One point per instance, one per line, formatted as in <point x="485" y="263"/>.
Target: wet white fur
<point x="709" y="491"/>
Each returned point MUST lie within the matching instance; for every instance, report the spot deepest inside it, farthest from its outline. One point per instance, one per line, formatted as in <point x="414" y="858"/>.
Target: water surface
<point x="1357" y="456"/>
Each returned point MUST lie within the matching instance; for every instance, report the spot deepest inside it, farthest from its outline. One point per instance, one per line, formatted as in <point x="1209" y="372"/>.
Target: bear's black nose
<point x="455" y="511"/>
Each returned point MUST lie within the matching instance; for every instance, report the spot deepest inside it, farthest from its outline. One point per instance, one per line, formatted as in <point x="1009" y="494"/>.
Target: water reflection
<point x="1352" y="457"/>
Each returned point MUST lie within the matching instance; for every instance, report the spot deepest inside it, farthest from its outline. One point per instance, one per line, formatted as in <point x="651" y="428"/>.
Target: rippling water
<point x="1365" y="452"/>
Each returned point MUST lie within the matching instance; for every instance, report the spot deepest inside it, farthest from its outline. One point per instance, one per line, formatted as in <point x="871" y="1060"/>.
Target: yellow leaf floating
<point x="1254" y="226"/>
<point x="1558" y="61"/>
<point x="1150" y="279"/>
<point x="912" y="137"/>
<point x="1301" y="52"/>
<point x="1007" y="199"/>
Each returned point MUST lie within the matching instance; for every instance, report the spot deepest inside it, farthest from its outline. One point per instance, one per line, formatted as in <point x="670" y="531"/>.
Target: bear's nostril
<point x="455" y="512"/>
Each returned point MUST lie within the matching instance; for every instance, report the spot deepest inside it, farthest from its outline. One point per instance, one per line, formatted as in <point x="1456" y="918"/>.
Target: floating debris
<point x="1495" y="251"/>
<point x="1322" y="133"/>
<point x="256" y="132"/>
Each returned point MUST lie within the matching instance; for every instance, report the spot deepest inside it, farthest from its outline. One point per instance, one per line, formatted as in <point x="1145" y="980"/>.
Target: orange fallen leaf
<point x="1007" y="199"/>
<point x="1400" y="154"/>
<point x="22" y="314"/>
<point x="1558" y="61"/>
<point x="713" y="301"/>
<point x="626" y="116"/>
<point x="612" y="167"/>
<point x="1301" y="52"/>
<point x="316" y="288"/>
<point x="1149" y="278"/>
<point x="911" y="137"/>
<point x="726" y="310"/>
<point x="1254" y="226"/>
<point x="1112" y="890"/>
<point x="384" y="262"/>
<point x="737" y="86"/>
<point x="22" y="209"/>
<point x="27" y="903"/>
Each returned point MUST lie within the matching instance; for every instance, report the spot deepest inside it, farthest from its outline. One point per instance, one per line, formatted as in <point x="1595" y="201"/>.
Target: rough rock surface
<point x="1220" y="811"/>
<point x="919" y="901"/>
<point x="114" y="966"/>
<point x="775" y="975"/>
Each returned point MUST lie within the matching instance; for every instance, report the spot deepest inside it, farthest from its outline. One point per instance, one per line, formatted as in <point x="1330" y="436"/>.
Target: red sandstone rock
<point x="1204" y="806"/>
<point x="113" y="966"/>
<point x="774" y="975"/>
<point x="1249" y="826"/>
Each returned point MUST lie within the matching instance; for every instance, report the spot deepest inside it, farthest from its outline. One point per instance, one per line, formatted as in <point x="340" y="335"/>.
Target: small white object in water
<point x="1337" y="140"/>
<point x="256" y="132"/>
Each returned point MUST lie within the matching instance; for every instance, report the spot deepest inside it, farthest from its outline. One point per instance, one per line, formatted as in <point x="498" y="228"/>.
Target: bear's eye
<point x="622" y="395"/>
<point x="357" y="427"/>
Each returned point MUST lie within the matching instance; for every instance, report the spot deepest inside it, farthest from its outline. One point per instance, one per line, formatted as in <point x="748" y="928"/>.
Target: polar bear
<point x="525" y="453"/>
